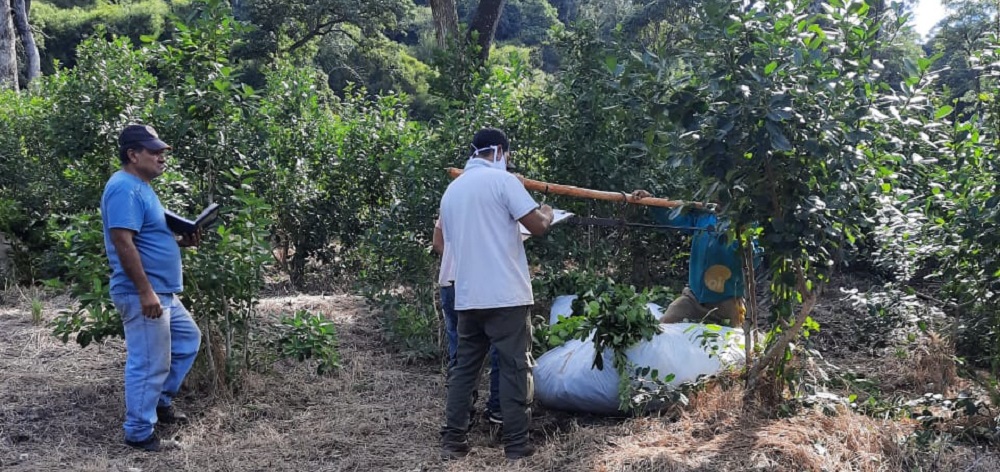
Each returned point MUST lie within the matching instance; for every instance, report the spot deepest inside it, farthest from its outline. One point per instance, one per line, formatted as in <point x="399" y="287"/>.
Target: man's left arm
<point x="438" y="240"/>
<point x="190" y="239"/>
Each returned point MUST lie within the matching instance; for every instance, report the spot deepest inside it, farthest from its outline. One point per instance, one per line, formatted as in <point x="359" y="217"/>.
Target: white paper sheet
<point x="558" y="216"/>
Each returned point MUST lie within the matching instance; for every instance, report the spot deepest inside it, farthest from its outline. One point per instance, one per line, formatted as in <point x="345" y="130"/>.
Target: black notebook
<point x="180" y="225"/>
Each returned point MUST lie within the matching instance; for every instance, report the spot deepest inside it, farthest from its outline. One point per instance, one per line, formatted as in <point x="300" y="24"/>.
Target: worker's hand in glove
<point x="640" y="194"/>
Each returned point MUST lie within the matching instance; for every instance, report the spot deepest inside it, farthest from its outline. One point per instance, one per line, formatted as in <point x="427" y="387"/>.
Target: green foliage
<point x="294" y="24"/>
<point x="550" y="337"/>
<point x="225" y="275"/>
<point x="380" y="66"/>
<point x="36" y="311"/>
<point x="524" y="21"/>
<point x="411" y="324"/>
<point x="109" y="88"/>
<point x="959" y="39"/>
<point x="615" y="317"/>
<point x="618" y="317"/>
<point x="63" y="28"/>
<point x="304" y="336"/>
<point x="652" y="392"/>
<point x="86" y="272"/>
<point x="774" y="126"/>
<point x="821" y="127"/>
<point x="60" y="140"/>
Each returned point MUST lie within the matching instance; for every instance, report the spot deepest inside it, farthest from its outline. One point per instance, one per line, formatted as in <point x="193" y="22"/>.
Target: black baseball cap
<point x="143" y="135"/>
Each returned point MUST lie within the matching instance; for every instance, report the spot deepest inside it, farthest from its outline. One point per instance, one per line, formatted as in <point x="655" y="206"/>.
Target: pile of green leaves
<point x="615" y="317"/>
<point x="618" y="317"/>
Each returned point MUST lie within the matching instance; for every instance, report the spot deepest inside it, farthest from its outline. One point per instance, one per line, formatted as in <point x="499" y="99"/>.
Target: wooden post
<point x="571" y="191"/>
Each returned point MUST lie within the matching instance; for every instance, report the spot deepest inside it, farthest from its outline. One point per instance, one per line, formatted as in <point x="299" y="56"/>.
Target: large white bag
<point x="565" y="378"/>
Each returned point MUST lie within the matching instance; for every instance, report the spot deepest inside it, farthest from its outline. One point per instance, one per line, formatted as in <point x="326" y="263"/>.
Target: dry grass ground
<point x="61" y="408"/>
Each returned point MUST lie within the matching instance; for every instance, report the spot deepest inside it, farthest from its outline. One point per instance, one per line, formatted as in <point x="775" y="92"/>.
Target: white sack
<point x="566" y="380"/>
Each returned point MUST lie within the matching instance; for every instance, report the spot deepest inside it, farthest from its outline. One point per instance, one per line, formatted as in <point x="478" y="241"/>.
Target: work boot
<point x="153" y="444"/>
<point x="150" y="444"/>
<point x="519" y="451"/>
<point x="170" y="415"/>
<point x="454" y="450"/>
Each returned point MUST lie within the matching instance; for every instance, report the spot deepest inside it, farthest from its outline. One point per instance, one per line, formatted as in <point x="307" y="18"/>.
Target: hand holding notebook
<point x="180" y="225"/>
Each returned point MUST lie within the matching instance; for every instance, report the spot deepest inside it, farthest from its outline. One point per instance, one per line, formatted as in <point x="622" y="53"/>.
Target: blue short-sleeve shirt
<point x="130" y="203"/>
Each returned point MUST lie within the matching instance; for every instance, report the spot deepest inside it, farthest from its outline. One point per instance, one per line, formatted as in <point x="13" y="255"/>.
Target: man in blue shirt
<point x="715" y="277"/>
<point x="161" y="338"/>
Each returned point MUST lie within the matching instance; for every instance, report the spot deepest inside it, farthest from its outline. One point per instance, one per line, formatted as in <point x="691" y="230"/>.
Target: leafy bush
<point x="85" y="269"/>
<point x="412" y="325"/>
<point x="305" y="336"/>
<point x="225" y="276"/>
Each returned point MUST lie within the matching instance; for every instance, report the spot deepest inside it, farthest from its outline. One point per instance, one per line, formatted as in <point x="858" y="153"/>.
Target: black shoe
<point x="170" y="415"/>
<point x="493" y="417"/>
<point x="455" y="450"/>
<point x="150" y="444"/>
<point x="519" y="452"/>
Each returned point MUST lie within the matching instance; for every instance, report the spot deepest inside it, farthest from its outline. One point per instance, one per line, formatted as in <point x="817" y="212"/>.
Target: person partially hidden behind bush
<point x="161" y="337"/>
<point x="480" y="212"/>
<point x="715" y="273"/>
<point x="446" y="280"/>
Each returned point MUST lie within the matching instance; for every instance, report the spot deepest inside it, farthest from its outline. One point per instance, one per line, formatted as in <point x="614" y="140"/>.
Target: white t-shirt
<point x="479" y="214"/>
<point x="447" y="274"/>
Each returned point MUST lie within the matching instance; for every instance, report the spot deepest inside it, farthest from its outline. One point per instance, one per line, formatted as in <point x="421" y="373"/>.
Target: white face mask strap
<point x="495" y="148"/>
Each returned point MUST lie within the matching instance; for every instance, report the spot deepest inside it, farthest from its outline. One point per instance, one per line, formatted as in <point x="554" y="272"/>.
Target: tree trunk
<point x="8" y="52"/>
<point x="485" y="23"/>
<point x="445" y="21"/>
<point x="33" y="63"/>
<point x="7" y="275"/>
<point x="761" y="380"/>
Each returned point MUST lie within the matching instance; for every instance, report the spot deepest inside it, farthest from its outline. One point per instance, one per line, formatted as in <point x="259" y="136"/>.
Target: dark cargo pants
<point x="509" y="331"/>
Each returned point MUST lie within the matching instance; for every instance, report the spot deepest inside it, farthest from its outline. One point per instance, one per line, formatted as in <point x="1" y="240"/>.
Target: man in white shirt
<point x="481" y="210"/>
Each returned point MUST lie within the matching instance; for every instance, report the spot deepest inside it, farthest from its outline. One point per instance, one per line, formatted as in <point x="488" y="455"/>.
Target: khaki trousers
<point x="728" y="312"/>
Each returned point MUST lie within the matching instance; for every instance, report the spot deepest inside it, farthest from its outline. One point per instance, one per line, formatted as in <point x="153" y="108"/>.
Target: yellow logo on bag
<point x="716" y="277"/>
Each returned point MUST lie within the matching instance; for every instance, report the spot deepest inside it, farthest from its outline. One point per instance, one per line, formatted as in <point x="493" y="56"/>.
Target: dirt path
<point x="61" y="408"/>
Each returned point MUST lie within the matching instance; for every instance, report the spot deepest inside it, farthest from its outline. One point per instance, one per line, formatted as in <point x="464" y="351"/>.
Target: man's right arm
<point x="662" y="215"/>
<point x="538" y="221"/>
<point x="128" y="255"/>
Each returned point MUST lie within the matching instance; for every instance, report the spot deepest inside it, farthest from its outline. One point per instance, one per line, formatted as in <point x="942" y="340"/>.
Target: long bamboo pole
<point x="571" y="191"/>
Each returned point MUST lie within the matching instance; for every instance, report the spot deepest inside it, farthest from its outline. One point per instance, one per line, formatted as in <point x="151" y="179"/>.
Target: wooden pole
<point x="571" y="191"/>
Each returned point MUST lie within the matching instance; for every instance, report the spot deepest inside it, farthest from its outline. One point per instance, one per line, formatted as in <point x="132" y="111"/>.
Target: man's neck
<point x="131" y="171"/>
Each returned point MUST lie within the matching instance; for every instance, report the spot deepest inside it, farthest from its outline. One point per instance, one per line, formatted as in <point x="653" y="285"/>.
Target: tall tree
<point x="32" y="62"/>
<point x="302" y="21"/>
<point x="445" y="21"/>
<point x="959" y="38"/>
<point x="8" y="52"/>
<point x="485" y="24"/>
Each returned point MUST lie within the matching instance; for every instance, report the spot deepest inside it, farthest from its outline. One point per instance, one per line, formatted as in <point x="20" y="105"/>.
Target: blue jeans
<point x="451" y="333"/>
<point x="161" y="351"/>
